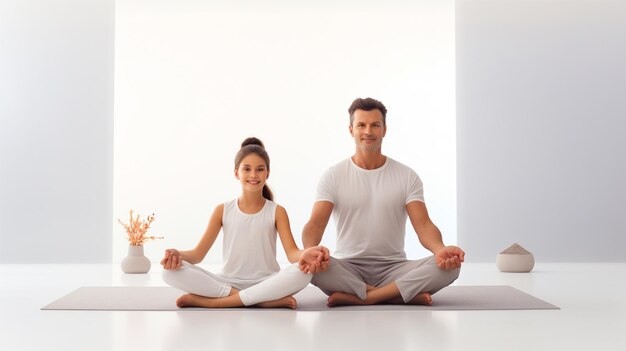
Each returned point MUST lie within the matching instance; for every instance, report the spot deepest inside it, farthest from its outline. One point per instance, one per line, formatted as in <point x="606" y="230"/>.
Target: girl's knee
<point x="294" y="269"/>
<point x="172" y="276"/>
<point x="168" y="276"/>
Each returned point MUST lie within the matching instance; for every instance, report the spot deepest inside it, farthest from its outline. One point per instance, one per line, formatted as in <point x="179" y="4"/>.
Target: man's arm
<point x="448" y="257"/>
<point x="427" y="232"/>
<point x="314" y="229"/>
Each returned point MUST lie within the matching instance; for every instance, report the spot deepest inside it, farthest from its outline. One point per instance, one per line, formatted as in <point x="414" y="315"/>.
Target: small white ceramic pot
<point x="135" y="262"/>
<point x="515" y="263"/>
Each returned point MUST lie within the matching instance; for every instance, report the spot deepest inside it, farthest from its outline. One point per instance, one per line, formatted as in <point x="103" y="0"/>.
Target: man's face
<point x="368" y="130"/>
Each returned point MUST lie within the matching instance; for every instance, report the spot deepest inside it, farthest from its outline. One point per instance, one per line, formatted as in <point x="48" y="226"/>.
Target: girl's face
<point x="252" y="173"/>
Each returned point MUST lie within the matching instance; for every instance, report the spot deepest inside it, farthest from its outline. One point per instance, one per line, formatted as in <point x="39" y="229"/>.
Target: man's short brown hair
<point x="367" y="104"/>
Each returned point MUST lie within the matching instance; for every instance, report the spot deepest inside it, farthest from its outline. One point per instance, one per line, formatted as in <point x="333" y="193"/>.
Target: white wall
<point x="194" y="78"/>
<point x="56" y="130"/>
<point x="541" y="118"/>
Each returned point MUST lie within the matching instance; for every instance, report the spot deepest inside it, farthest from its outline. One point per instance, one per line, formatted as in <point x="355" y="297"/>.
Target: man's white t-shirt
<point x="369" y="207"/>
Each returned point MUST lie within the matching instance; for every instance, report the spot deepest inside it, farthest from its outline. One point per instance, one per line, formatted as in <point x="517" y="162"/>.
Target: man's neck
<point x="369" y="160"/>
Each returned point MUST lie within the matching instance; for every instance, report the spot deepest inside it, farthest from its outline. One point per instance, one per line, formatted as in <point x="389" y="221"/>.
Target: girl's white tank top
<point x="249" y="242"/>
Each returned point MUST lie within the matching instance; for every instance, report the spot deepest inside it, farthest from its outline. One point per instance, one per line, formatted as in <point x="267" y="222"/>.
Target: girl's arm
<point x="173" y="258"/>
<point x="317" y="255"/>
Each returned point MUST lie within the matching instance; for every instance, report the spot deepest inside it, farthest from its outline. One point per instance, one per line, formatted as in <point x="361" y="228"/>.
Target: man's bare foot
<point x="285" y="302"/>
<point x="421" y="299"/>
<point x="341" y="298"/>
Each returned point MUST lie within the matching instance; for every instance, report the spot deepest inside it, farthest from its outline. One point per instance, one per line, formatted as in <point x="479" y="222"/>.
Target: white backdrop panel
<point x="192" y="80"/>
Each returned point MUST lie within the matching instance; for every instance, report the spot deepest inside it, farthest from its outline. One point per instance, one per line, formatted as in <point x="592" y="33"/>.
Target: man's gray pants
<point x="412" y="277"/>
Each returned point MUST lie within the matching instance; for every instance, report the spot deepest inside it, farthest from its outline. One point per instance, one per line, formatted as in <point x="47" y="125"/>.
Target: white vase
<point x="135" y="262"/>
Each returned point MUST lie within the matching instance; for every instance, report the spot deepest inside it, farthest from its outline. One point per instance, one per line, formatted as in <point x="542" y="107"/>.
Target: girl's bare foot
<point x="186" y="300"/>
<point x="285" y="302"/>
<point x="192" y="300"/>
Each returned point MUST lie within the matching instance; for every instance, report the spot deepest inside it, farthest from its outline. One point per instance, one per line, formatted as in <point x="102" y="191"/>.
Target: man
<point x="370" y="196"/>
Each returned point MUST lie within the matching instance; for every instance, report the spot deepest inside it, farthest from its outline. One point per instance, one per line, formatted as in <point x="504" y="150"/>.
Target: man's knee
<point x="326" y="277"/>
<point x="338" y="278"/>
<point x="444" y="278"/>
<point x="454" y="274"/>
<point x="427" y="278"/>
<point x="333" y="273"/>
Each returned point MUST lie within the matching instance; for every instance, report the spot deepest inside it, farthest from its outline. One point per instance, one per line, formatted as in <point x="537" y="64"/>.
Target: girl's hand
<point x="172" y="260"/>
<point x="314" y="260"/>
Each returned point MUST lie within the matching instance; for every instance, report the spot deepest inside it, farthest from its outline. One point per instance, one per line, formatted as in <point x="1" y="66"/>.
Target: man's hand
<point x="172" y="260"/>
<point x="314" y="260"/>
<point x="449" y="257"/>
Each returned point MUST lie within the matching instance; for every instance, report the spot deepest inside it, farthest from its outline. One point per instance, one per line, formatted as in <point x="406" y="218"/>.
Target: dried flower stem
<point x="136" y="229"/>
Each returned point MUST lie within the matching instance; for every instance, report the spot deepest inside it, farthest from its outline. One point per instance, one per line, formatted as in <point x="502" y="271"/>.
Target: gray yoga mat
<point x="123" y="298"/>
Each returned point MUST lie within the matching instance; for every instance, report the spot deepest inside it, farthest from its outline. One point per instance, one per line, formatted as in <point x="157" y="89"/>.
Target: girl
<point x="250" y="276"/>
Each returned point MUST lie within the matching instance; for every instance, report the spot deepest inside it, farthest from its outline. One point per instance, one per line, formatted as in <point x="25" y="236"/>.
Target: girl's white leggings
<point x="195" y="280"/>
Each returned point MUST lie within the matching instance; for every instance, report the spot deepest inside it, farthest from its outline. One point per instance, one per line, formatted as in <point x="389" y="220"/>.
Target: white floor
<point x="592" y="298"/>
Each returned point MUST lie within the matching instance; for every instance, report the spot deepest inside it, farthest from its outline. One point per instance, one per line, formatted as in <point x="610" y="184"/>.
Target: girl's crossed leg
<point x="206" y="289"/>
